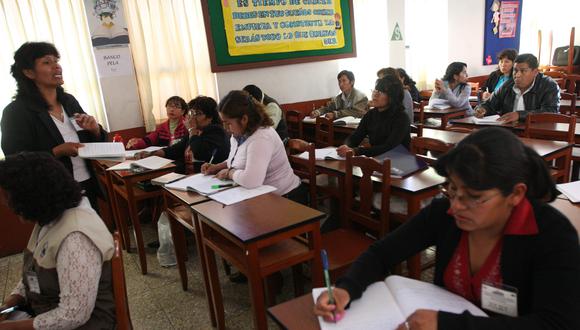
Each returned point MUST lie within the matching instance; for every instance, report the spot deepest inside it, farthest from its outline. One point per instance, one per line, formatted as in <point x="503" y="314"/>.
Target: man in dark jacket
<point x="530" y="91"/>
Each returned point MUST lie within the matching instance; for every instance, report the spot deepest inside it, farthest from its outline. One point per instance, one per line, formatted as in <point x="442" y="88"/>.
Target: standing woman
<point x="454" y="87"/>
<point x="503" y="73"/>
<point x="386" y="125"/>
<point x="257" y="155"/>
<point x="43" y="117"/>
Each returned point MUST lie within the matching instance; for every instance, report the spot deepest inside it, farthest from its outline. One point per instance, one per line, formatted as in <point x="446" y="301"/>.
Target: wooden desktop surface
<point x="186" y="197"/>
<point x="570" y="210"/>
<point x="295" y="314"/>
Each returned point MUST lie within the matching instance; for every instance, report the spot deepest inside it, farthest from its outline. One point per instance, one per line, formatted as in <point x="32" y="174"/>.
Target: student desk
<point x="570" y="210"/>
<point x="341" y="132"/>
<point x="296" y="314"/>
<point x="259" y="237"/>
<point x="444" y="114"/>
<point x="122" y="187"/>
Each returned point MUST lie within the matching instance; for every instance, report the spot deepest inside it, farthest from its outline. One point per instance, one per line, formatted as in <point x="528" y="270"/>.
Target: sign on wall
<point x="502" y="28"/>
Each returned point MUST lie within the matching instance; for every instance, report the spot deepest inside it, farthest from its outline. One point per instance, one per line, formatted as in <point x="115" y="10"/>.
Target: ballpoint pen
<point x="212" y="156"/>
<point x="327" y="280"/>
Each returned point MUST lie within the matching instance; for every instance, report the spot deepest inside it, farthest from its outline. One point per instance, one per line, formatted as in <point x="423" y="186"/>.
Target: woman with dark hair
<point x="454" y="87"/>
<point x="409" y="84"/>
<point x="272" y="108"/>
<point x="386" y="125"/>
<point x="257" y="156"/>
<point x="407" y="98"/>
<point x="207" y="139"/>
<point x="66" y="277"/>
<point x="492" y="230"/>
<point x="503" y="73"/>
<point x="43" y="117"/>
<point x="168" y="132"/>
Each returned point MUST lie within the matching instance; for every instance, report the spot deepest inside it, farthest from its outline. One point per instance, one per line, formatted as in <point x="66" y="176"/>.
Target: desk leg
<point x="122" y="217"/>
<point x="316" y="264"/>
<point x="414" y="262"/>
<point x="256" y="287"/>
<point x="134" y="215"/>
<point x="204" y="268"/>
<point x="178" y="235"/>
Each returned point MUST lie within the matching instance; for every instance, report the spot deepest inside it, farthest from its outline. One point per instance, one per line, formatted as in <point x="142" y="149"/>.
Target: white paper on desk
<point x="152" y="162"/>
<point x="440" y="104"/>
<point x="131" y="153"/>
<point x="238" y="194"/>
<point x="102" y="150"/>
<point x="324" y="153"/>
<point x="571" y="190"/>
<point x="126" y="165"/>
<point x="309" y="119"/>
<point x="493" y="119"/>
<point x="200" y="183"/>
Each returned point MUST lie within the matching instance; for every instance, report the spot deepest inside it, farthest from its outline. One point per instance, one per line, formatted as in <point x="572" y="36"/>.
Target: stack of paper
<point x="571" y="190"/>
<point x="325" y="153"/>
<point x="493" y="119"/>
<point x="346" y="121"/>
<point x="439" y="104"/>
<point x="131" y="153"/>
<point x="149" y="163"/>
<point x="238" y="194"/>
<point x="167" y="178"/>
<point x="202" y="184"/>
<point x="102" y="150"/>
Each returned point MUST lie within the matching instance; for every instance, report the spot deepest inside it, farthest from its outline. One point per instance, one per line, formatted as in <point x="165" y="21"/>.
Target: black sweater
<point x="385" y="130"/>
<point x="545" y="268"/>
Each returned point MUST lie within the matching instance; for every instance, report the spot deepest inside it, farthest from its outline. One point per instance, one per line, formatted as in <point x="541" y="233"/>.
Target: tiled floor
<point x="157" y="301"/>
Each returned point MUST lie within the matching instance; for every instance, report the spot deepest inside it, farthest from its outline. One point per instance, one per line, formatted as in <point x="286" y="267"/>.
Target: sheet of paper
<point x="376" y="309"/>
<point x="413" y="294"/>
<point x="126" y="165"/>
<point x="238" y="194"/>
<point x="493" y="119"/>
<point x="438" y="104"/>
<point x="131" y="153"/>
<point x="102" y="150"/>
<point x="153" y="162"/>
<point x="323" y="153"/>
<point x="200" y="183"/>
<point x="571" y="190"/>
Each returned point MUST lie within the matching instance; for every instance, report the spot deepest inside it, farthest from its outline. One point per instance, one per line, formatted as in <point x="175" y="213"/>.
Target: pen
<point x="218" y="186"/>
<point x="9" y="310"/>
<point x="212" y="155"/>
<point x="327" y="280"/>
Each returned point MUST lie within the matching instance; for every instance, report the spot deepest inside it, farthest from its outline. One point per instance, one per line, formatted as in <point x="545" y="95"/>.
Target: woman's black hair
<point x="453" y="69"/>
<point x="25" y="59"/>
<point x="392" y="86"/>
<point x="236" y="104"/>
<point x="38" y="187"/>
<point x="208" y="106"/>
<point x="177" y="102"/>
<point x="260" y="96"/>
<point x="495" y="158"/>
<point x="406" y="78"/>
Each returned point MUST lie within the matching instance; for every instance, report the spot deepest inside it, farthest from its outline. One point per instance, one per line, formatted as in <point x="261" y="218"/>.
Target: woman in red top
<point x="168" y="132"/>
<point x="492" y="227"/>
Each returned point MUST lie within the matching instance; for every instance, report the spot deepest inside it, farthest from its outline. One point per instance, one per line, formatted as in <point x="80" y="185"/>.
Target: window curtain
<point x="427" y="38"/>
<point x="170" y="53"/>
<point x="64" y="24"/>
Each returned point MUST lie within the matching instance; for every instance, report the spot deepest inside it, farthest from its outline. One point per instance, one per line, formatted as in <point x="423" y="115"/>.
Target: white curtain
<point x="64" y="24"/>
<point x="427" y="38"/>
<point x="169" y="49"/>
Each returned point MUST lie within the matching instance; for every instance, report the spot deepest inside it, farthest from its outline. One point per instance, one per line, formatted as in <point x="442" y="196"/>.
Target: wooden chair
<point x="558" y="76"/>
<point x="294" y="121"/>
<point x="474" y="88"/>
<point x="568" y="103"/>
<point x="119" y="287"/>
<point x="324" y="132"/>
<point x="573" y="84"/>
<point x="544" y="126"/>
<point x="419" y="111"/>
<point x="428" y="149"/>
<point x="344" y="245"/>
<point x="425" y="94"/>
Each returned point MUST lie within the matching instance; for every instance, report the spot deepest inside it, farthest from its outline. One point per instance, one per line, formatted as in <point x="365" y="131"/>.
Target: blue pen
<point x="327" y="280"/>
<point x="212" y="155"/>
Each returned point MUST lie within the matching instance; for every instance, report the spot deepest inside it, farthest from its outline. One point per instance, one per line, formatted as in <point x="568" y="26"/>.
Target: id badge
<point x="33" y="284"/>
<point x="499" y="298"/>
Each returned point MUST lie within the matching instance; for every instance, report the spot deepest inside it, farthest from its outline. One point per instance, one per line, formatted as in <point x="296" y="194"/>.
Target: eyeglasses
<point x="468" y="202"/>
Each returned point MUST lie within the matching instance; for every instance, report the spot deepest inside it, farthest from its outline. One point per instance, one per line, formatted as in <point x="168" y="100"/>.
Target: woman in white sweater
<point x="257" y="155"/>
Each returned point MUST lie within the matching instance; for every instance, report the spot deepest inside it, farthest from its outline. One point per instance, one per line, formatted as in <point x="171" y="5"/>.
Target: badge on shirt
<point x="33" y="284"/>
<point x="499" y="298"/>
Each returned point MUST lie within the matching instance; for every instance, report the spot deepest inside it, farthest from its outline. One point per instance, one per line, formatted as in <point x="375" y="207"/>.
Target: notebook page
<point x="571" y="190"/>
<point x="153" y="162"/>
<point x="323" y="153"/>
<point x="131" y="153"/>
<point x="376" y="309"/>
<point x="102" y="149"/>
<point x="126" y="165"/>
<point x="413" y="294"/>
<point x="199" y="182"/>
<point x="238" y="194"/>
<point x="493" y="119"/>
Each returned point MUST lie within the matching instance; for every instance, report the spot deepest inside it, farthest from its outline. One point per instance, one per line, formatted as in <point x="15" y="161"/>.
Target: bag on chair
<point x="561" y="56"/>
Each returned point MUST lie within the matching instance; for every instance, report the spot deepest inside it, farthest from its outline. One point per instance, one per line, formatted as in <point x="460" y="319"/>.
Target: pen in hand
<point x="212" y="156"/>
<point x="331" y="301"/>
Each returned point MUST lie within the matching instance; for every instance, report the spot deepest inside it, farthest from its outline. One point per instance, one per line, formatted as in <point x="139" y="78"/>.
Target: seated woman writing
<point x="386" y="125"/>
<point x="493" y="228"/>
<point x="257" y="155"/>
<point x="503" y="73"/>
<point x="167" y="133"/>
<point x="67" y="280"/>
<point x="207" y="140"/>
<point x="454" y="87"/>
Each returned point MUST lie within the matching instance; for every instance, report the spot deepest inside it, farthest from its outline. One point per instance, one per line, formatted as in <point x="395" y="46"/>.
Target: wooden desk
<point x="123" y="188"/>
<point x="570" y="210"/>
<point x="444" y="114"/>
<point x="295" y="314"/>
<point x="340" y="132"/>
<point x="257" y="236"/>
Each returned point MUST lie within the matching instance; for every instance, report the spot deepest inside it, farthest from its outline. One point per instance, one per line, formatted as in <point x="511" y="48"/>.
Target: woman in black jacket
<point x="503" y="73"/>
<point x="43" y="117"/>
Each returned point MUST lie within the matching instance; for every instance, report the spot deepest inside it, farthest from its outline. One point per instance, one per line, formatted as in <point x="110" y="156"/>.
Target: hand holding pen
<point x="331" y="303"/>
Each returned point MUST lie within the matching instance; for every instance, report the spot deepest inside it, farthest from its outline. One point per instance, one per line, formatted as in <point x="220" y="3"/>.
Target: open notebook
<point x="102" y="150"/>
<point x="439" y="104"/>
<point x="338" y="122"/>
<point x="385" y="305"/>
<point x="571" y="190"/>
<point x="149" y="163"/>
<point x="202" y="184"/>
<point x="324" y="153"/>
<point x="489" y="120"/>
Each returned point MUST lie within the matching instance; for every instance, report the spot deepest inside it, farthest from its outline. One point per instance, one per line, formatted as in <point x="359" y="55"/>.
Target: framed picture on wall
<point x="502" y="28"/>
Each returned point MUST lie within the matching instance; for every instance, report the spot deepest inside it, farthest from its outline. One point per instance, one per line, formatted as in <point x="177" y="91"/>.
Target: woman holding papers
<point x="43" y="117"/>
<point x="503" y="73"/>
<point x="257" y="156"/>
<point x="66" y="275"/>
<point x="453" y="87"/>
<point x="499" y="244"/>
<point x="386" y="125"/>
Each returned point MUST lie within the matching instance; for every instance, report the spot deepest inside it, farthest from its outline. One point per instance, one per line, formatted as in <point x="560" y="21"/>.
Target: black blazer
<point x="545" y="268"/>
<point x="28" y="127"/>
